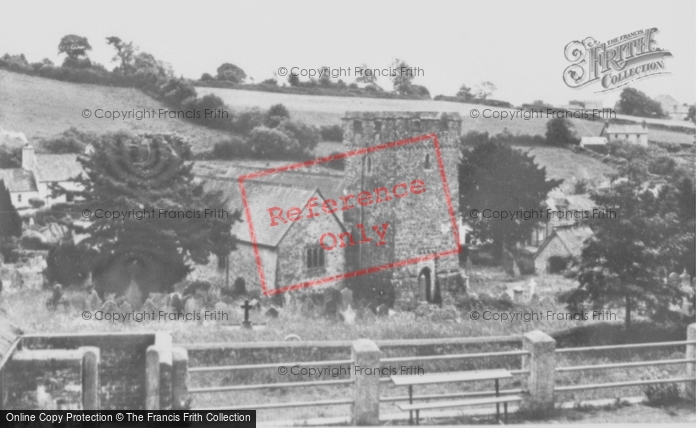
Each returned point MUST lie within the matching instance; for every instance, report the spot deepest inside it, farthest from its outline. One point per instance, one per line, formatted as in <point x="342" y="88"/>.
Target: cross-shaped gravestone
<point x="246" y="312"/>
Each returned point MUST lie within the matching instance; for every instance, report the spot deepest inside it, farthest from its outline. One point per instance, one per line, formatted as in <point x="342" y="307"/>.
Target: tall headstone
<point x="345" y="298"/>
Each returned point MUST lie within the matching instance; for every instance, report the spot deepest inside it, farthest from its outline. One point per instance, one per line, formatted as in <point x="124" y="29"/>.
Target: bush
<point x="661" y="394"/>
<point x="306" y="136"/>
<point x="201" y="105"/>
<point x="71" y="140"/>
<point x="66" y="264"/>
<point x="662" y="165"/>
<point x="560" y="133"/>
<point x="272" y="82"/>
<point x="332" y="133"/>
<point x="231" y="148"/>
<point x="275" y="115"/>
<point x="206" y="77"/>
<point x="337" y="164"/>
<point x="244" y="122"/>
<point x="270" y="143"/>
<point x="37" y="202"/>
<point x="175" y="91"/>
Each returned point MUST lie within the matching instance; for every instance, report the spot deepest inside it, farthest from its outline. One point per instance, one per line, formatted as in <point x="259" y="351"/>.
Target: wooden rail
<point x="630" y="346"/>
<point x="453" y="356"/>
<point x="270" y="386"/>
<point x="391" y="399"/>
<point x="268" y="366"/>
<point x="621" y="384"/>
<point x="622" y="365"/>
<point x="258" y="406"/>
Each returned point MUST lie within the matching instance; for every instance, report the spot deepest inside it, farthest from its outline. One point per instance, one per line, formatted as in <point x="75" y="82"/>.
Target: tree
<point x="325" y="79"/>
<point x="366" y="75"/>
<point x="75" y="47"/>
<point x="10" y="221"/>
<point x="293" y="79"/>
<point x="494" y="177"/>
<point x="148" y="173"/>
<point x="484" y="90"/>
<point x="691" y="113"/>
<point x="230" y="73"/>
<point x="125" y="53"/>
<point x="634" y="102"/>
<point x="403" y="76"/>
<point x="10" y="157"/>
<point x="627" y="261"/>
<point x="465" y="93"/>
<point x="559" y="132"/>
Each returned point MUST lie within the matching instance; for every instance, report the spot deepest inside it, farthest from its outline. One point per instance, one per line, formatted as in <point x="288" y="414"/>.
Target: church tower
<point x="419" y="221"/>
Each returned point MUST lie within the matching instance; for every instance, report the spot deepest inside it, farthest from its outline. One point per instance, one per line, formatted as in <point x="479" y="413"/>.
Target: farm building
<point x="672" y="108"/>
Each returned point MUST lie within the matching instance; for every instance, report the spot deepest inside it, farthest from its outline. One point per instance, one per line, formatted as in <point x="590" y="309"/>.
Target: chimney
<point x="28" y="160"/>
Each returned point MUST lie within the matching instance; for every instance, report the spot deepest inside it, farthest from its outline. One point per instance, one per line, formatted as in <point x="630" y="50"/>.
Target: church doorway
<point x="429" y="289"/>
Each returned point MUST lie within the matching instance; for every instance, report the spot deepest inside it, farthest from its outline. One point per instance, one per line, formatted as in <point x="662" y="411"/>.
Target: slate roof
<point x="624" y="129"/>
<point x="18" y="180"/>
<point x="57" y="167"/>
<point x="590" y="141"/>
<point x="572" y="237"/>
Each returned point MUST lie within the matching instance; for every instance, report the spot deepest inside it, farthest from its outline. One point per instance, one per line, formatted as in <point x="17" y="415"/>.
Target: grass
<point x="27" y="308"/>
<point x="42" y="108"/>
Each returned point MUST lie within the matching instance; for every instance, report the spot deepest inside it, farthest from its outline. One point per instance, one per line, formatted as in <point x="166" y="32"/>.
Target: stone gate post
<point x="541" y="363"/>
<point x="365" y="409"/>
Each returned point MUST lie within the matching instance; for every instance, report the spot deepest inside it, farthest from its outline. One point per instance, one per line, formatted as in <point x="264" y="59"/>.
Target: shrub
<point x="175" y="91"/>
<point x="337" y="164"/>
<point x="36" y="202"/>
<point x="201" y="105"/>
<point x="373" y="289"/>
<point x="231" y="148"/>
<point x="10" y="157"/>
<point x="206" y="77"/>
<point x="275" y="115"/>
<point x="270" y="143"/>
<point x="244" y="122"/>
<point x="661" y="394"/>
<point x="66" y="264"/>
<point x="272" y="82"/>
<point x="238" y="289"/>
<point x="332" y="133"/>
<point x="353" y="86"/>
<point x="560" y="133"/>
<point x="306" y="136"/>
<point x="662" y="165"/>
<point x="72" y="140"/>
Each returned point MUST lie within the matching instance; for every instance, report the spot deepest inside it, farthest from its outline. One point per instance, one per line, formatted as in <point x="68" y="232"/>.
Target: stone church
<point x="420" y="225"/>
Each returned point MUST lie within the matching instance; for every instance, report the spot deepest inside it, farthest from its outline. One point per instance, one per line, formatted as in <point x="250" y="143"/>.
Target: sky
<point x="518" y="45"/>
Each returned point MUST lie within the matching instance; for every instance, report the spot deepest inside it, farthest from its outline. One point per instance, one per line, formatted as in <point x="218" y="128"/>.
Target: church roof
<point x="18" y="180"/>
<point x="573" y="239"/>
<point x="624" y="129"/>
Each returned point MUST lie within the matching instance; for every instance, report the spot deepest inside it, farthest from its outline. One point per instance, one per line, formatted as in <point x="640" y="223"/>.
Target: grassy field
<point x="43" y="108"/>
<point x="318" y="110"/>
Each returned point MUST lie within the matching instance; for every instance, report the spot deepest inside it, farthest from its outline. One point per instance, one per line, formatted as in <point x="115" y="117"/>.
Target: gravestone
<point x="518" y="295"/>
<point x="348" y="316"/>
<point x="272" y="312"/>
<point x="345" y="298"/>
<point x="382" y="310"/>
<point x="533" y="287"/>
<point x="134" y="295"/>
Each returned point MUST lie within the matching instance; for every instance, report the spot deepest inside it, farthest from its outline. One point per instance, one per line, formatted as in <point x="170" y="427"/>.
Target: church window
<point x="315" y="258"/>
<point x="368" y="166"/>
<point x="357" y="126"/>
<point x="426" y="162"/>
<point x="377" y="127"/>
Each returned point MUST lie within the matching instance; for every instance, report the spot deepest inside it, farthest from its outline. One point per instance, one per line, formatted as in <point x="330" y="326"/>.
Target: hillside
<point x="322" y="110"/>
<point x="43" y="107"/>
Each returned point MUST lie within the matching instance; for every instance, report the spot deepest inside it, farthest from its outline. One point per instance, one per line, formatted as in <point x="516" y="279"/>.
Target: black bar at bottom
<point x="128" y="418"/>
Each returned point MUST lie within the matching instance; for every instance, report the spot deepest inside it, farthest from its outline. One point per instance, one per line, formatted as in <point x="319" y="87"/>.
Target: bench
<point x="450" y="377"/>
<point x="502" y="399"/>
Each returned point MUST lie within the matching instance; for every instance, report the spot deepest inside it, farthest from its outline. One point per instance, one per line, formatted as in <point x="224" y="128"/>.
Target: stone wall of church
<point x="419" y="224"/>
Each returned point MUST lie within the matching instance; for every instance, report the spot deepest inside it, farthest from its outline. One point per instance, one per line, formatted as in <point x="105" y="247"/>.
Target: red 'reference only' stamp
<point x="341" y="226"/>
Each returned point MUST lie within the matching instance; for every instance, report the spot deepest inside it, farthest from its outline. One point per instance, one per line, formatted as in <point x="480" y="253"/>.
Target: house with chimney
<point x="38" y="173"/>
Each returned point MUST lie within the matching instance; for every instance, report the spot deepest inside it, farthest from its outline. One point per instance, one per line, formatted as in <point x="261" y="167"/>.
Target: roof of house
<point x="624" y="129"/>
<point x="18" y="180"/>
<point x="57" y="167"/>
<point x="588" y="141"/>
<point x="573" y="239"/>
<point x="666" y="99"/>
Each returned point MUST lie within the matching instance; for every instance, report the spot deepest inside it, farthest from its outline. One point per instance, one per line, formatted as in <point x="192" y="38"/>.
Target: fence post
<point x="153" y="378"/>
<point x="91" y="379"/>
<point x="541" y="362"/>
<point x="180" y="363"/>
<point x="365" y="357"/>
<point x="690" y="367"/>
